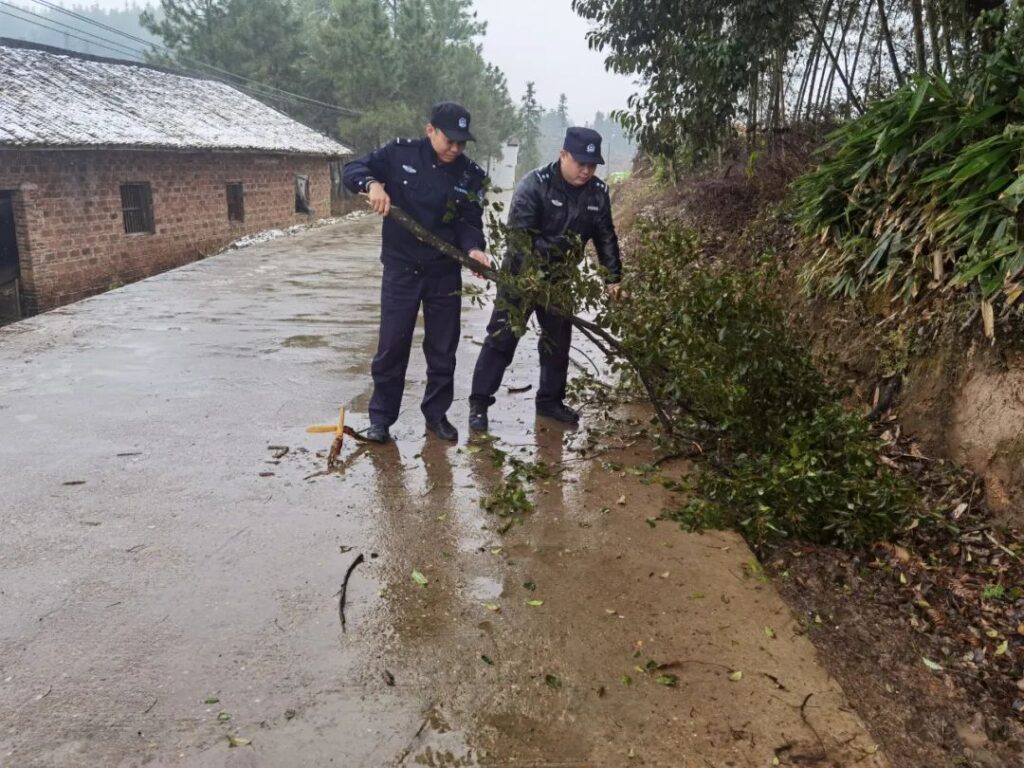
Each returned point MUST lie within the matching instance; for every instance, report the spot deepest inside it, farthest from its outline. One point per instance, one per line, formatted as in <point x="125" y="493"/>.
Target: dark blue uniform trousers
<point x="500" y="347"/>
<point x="403" y="290"/>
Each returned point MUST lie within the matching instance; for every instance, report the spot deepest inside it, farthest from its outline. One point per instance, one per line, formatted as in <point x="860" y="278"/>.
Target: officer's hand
<point x="480" y="257"/>
<point x="614" y="290"/>
<point x="380" y="201"/>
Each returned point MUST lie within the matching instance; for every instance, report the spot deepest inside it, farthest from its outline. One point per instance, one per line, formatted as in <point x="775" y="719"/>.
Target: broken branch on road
<point x="344" y="590"/>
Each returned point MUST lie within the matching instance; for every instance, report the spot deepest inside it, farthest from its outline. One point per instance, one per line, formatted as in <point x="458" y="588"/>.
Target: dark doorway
<point x="10" y="268"/>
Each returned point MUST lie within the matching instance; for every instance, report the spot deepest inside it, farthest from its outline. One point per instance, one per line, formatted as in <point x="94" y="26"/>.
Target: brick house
<point x="111" y="171"/>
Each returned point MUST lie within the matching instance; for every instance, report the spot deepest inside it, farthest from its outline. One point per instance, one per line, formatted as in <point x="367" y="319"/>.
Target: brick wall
<point x="71" y="236"/>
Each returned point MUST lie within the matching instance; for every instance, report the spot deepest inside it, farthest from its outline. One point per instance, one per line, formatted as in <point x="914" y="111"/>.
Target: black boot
<point x="478" y="417"/>
<point x="444" y="430"/>
<point x="559" y="412"/>
<point x="377" y="434"/>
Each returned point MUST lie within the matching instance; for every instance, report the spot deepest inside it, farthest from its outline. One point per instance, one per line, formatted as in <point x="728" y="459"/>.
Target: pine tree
<point x="386" y="60"/>
<point x="529" y="137"/>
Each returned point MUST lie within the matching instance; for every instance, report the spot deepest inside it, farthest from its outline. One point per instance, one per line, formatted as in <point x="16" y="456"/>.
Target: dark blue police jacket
<point x="447" y="199"/>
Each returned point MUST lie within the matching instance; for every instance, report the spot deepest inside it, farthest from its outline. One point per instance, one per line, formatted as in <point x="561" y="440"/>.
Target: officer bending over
<point x="435" y="183"/>
<point x="558" y="209"/>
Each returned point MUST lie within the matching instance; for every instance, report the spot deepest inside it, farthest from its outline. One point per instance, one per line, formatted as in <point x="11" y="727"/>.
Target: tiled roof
<point x="53" y="98"/>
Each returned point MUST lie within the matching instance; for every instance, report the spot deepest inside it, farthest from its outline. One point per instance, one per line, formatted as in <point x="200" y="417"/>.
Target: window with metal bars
<point x="137" y="206"/>
<point x="236" y="201"/>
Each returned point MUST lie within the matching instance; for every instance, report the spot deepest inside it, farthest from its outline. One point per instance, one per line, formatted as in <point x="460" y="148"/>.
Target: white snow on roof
<point x="58" y="99"/>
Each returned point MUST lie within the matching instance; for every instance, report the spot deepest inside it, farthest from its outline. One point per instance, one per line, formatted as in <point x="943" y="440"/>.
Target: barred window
<point x="236" y="201"/>
<point x="137" y="206"/>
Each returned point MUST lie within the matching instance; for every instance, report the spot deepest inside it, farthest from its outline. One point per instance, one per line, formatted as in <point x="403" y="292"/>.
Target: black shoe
<point x="444" y="430"/>
<point x="377" y="434"/>
<point x="559" y="412"/>
<point x="478" y="418"/>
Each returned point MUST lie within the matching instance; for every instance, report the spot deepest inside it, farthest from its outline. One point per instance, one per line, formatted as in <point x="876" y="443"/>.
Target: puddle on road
<point x="305" y="342"/>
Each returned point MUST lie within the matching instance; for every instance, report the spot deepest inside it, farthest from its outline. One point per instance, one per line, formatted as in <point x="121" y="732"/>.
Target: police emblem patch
<point x="591" y="148"/>
<point x="463" y="122"/>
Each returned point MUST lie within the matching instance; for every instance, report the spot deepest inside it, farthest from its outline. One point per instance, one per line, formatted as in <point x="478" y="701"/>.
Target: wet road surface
<point x="167" y="583"/>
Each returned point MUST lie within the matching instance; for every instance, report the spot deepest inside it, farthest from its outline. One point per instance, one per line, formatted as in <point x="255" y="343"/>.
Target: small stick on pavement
<point x="344" y="589"/>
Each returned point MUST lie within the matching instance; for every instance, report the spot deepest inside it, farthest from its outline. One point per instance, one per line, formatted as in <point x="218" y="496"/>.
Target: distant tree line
<point x="385" y="61"/>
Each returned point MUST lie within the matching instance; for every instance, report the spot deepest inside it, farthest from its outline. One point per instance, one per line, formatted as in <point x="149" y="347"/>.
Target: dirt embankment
<point x="959" y="396"/>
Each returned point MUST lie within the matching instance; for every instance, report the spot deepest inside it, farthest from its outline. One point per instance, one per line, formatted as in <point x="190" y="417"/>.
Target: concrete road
<point x="169" y="588"/>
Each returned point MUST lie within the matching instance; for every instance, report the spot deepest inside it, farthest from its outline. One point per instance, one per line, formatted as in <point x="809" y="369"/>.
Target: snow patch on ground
<point x="273" y="234"/>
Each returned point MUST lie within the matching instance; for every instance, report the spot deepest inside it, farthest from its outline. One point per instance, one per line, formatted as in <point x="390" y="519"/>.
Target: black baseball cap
<point x="452" y="119"/>
<point x="584" y="144"/>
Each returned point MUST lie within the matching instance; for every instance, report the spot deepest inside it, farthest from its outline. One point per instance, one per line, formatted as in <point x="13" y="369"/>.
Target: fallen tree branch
<point x="344" y="590"/>
<point x="600" y="337"/>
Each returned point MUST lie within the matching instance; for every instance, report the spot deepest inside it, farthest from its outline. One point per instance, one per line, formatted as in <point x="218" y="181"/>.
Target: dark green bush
<point x="825" y="486"/>
<point x="715" y="341"/>
<point x="784" y="457"/>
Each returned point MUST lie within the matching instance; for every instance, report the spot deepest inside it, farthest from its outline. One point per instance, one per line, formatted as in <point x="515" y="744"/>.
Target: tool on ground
<point x="339" y="431"/>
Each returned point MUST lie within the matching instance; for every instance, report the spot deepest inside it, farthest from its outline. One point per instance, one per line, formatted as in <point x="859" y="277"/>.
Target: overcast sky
<point x="544" y="41"/>
<point x="539" y="40"/>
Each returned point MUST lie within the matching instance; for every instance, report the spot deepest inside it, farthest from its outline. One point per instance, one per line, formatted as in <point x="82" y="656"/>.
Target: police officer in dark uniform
<point x="435" y="183"/>
<point x="557" y="210"/>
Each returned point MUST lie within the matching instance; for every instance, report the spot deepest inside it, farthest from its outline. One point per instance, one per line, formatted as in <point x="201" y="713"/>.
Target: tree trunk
<point x="828" y="73"/>
<point x="839" y="70"/>
<point x="883" y="21"/>
<point x="920" y="56"/>
<point x="933" y="35"/>
<point x="860" y="41"/>
<point x="947" y="40"/>
<point x="755" y="79"/>
<point x="779" y="94"/>
<point x="873" y="67"/>
<point x="846" y="64"/>
<point x="813" y="62"/>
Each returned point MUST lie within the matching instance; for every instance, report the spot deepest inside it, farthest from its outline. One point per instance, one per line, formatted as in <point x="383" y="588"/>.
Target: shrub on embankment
<point x="925" y="190"/>
<point x="783" y="456"/>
